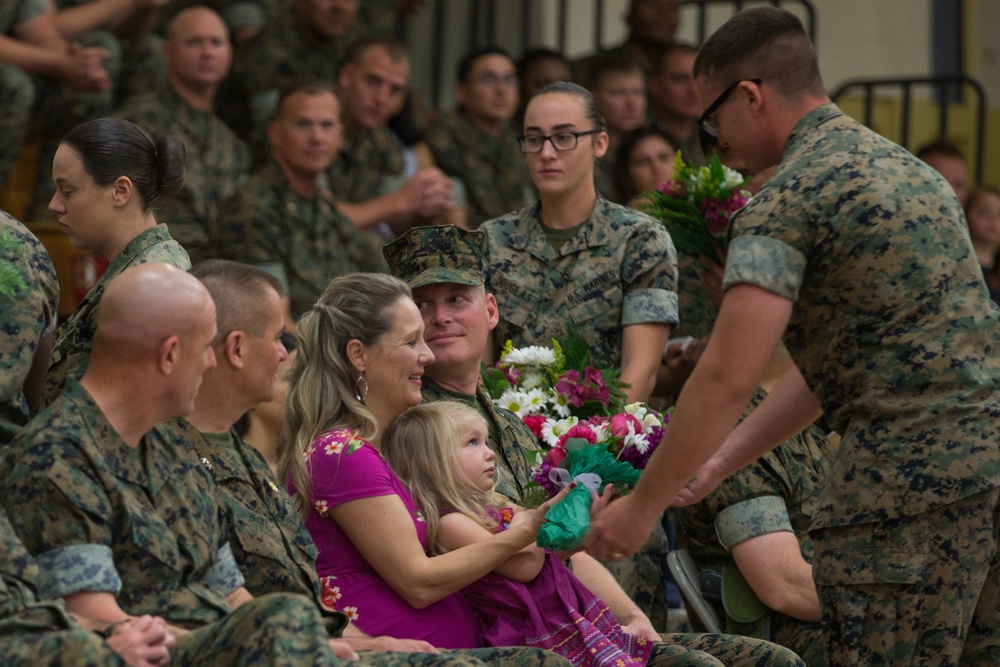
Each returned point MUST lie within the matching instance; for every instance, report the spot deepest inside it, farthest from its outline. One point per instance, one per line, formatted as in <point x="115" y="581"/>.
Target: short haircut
<point x="237" y="290"/>
<point x="468" y="62"/>
<point x="308" y="86"/>
<point x="611" y="65"/>
<point x="392" y="46"/>
<point x="766" y="43"/>
<point x="940" y="147"/>
<point x="533" y="56"/>
<point x="660" y="59"/>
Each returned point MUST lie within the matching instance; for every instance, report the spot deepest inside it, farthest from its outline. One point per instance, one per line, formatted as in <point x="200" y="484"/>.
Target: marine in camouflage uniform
<point x="492" y="168"/>
<point x="618" y="270"/>
<point x="32" y="631"/>
<point x="144" y="524"/>
<point x="776" y="493"/>
<point x="27" y="316"/>
<point x="367" y="164"/>
<point x="894" y="332"/>
<point x="282" y="52"/>
<point x="216" y="163"/>
<point x="71" y="346"/>
<point x="266" y="222"/>
<point x="43" y="107"/>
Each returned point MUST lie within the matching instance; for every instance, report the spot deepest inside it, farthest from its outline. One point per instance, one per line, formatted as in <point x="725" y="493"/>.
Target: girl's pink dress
<point x="554" y="611"/>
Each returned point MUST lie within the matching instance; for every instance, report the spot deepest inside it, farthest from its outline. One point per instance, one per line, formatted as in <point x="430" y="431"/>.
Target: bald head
<point x="146" y="305"/>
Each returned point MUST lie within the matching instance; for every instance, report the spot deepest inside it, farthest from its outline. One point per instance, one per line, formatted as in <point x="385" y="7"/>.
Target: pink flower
<point x="534" y="423"/>
<point x="557" y="454"/>
<point x="581" y="430"/>
<point x="673" y="189"/>
<point x="620" y="424"/>
<point x="512" y="374"/>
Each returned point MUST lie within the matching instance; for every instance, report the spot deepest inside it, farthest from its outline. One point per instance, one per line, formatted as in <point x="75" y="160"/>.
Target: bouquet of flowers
<point x="695" y="205"/>
<point x="577" y="412"/>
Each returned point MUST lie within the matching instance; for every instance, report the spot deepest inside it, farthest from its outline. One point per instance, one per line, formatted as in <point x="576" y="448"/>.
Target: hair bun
<point x="170" y="153"/>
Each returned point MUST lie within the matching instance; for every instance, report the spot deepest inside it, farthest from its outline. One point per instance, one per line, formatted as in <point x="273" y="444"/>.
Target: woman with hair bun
<point x="108" y="173"/>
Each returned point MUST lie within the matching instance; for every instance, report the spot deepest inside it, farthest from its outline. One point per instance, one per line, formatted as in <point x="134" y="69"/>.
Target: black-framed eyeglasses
<point x="561" y="141"/>
<point x="707" y="124"/>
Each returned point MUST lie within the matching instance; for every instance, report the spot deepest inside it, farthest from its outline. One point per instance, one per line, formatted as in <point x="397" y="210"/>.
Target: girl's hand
<point x="536" y="517"/>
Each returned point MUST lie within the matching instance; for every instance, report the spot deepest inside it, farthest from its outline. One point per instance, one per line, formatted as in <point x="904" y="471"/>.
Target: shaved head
<point x="144" y="306"/>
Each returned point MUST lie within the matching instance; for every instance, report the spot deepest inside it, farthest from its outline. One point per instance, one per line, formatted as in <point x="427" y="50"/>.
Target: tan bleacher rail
<point x="915" y="111"/>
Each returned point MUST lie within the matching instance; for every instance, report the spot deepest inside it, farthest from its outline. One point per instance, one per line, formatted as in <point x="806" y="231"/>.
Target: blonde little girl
<point x="440" y="452"/>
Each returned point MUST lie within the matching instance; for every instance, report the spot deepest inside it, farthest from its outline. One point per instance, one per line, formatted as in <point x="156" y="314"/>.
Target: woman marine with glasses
<point x="576" y="261"/>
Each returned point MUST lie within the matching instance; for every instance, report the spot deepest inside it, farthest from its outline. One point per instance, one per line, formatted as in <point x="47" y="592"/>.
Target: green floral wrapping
<point x="593" y="467"/>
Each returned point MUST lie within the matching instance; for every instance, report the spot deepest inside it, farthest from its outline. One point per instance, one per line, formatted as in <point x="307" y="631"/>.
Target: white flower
<point x="515" y="401"/>
<point x="637" y="409"/>
<point x="733" y="178"/>
<point x="651" y="420"/>
<point x="640" y="441"/>
<point x="600" y="430"/>
<point x="533" y="355"/>
<point x="537" y="400"/>
<point x="531" y="379"/>
<point x="560" y="404"/>
<point x="554" y="429"/>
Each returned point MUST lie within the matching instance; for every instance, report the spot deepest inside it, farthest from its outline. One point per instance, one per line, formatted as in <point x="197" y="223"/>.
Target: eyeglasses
<point x="707" y="124"/>
<point x="495" y="80"/>
<point x="561" y="141"/>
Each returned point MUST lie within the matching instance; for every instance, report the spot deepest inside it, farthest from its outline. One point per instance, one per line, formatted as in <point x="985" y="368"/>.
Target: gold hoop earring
<point x="361" y="388"/>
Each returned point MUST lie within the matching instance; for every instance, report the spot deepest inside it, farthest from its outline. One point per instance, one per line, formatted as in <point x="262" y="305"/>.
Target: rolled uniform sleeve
<point x="649" y="274"/>
<point x="224" y="575"/>
<point x="752" y="518"/>
<point x="767" y="263"/>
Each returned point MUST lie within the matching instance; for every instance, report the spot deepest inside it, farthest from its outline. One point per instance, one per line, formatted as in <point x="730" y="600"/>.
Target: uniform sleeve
<point x="245" y="230"/>
<point x="752" y="518"/>
<point x="768" y="250"/>
<point x="224" y="575"/>
<point x="62" y="516"/>
<point x="649" y="275"/>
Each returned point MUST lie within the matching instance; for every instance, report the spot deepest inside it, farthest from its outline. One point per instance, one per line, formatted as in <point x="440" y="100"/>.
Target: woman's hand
<point x="640" y="626"/>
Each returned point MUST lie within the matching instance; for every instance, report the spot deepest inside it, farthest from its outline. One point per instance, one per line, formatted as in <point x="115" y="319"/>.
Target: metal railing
<point x="945" y="90"/>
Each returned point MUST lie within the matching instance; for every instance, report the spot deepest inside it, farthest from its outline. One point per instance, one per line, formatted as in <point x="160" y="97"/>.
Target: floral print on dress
<point x="321" y="507"/>
<point x="330" y="593"/>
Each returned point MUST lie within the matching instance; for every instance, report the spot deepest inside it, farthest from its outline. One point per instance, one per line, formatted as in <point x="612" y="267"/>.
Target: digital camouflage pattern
<point x="366" y="161"/>
<point x="492" y="168"/>
<point x="27" y="315"/>
<point x="437" y="254"/>
<point x="71" y="345"/>
<point x="17" y="95"/>
<point x="777" y="492"/>
<point x="513" y="444"/>
<point x="34" y="632"/>
<point x="894" y="332"/>
<point x="619" y="269"/>
<point x="729" y="650"/>
<point x="43" y="107"/>
<point x="272" y="547"/>
<point x="280" y="54"/>
<point x="265" y="222"/>
<point x="216" y="163"/>
<point x="140" y="522"/>
<point x="892" y="326"/>
<point x="920" y="590"/>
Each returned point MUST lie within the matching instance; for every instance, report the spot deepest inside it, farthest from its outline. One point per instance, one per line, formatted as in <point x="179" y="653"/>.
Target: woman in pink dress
<point x="361" y="358"/>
